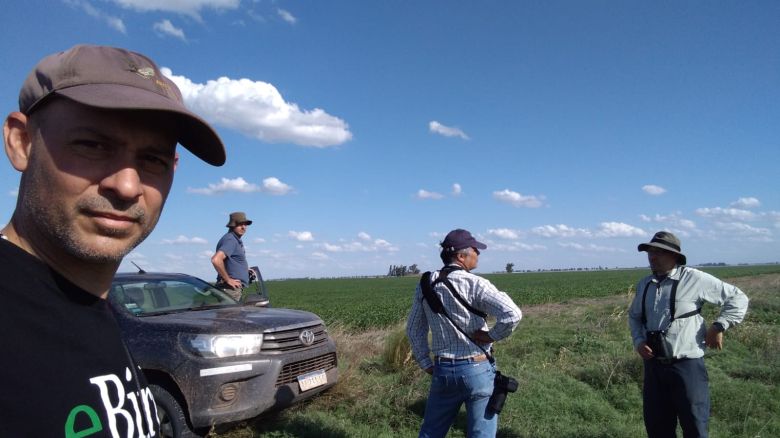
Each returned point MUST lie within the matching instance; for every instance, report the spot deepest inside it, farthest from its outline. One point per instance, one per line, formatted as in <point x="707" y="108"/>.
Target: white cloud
<point x="165" y="27"/>
<point x="319" y="256"/>
<point x="518" y="199"/>
<point x="424" y="194"/>
<point x="113" y="22"/>
<point x="364" y="236"/>
<point x="743" y="229"/>
<point x="258" y="110"/>
<point x="560" y="230"/>
<point x="14" y="192"/>
<point x="273" y="186"/>
<point x="270" y="185"/>
<point x="619" y="229"/>
<point x="504" y="233"/>
<point x="671" y="220"/>
<point x="749" y="202"/>
<point x="287" y="16"/>
<point x="589" y="247"/>
<point x="446" y="131"/>
<point x="365" y="245"/>
<point x="456" y="189"/>
<point x="726" y="214"/>
<point x="181" y="240"/>
<point x="258" y="240"/>
<point x="654" y="190"/>
<point x="185" y="7"/>
<point x="516" y="246"/>
<point x="301" y="236"/>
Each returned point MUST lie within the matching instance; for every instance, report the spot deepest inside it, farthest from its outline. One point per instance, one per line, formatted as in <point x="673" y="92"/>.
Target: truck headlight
<point x="226" y="345"/>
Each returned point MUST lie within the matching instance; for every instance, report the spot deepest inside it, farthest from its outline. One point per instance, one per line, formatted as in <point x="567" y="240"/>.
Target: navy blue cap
<point x="461" y="239"/>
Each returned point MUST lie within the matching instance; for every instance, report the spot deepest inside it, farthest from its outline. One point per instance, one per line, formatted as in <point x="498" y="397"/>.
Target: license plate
<point x="312" y="380"/>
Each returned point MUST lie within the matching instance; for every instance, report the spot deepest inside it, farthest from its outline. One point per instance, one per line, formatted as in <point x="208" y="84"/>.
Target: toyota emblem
<point x="306" y="337"/>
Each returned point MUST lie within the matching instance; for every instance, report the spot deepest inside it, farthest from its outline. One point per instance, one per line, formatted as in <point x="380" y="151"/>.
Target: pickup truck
<point x="211" y="360"/>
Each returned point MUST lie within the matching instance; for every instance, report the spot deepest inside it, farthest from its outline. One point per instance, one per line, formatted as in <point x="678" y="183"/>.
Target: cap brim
<point x="479" y="245"/>
<point x="191" y="131"/>
<point x="645" y="246"/>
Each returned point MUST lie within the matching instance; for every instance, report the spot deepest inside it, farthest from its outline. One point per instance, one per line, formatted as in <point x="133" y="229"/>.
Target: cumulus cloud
<point x="191" y="8"/>
<point x="301" y="236"/>
<point x="113" y="22"/>
<point x="560" y="230"/>
<point x="589" y="247"/>
<point x="516" y="246"/>
<point x="182" y="240"/>
<point x="165" y="27"/>
<point x="447" y="131"/>
<point x="258" y="110"/>
<point x="504" y="233"/>
<point x="456" y="189"/>
<point x="654" y="190"/>
<point x="749" y="202"/>
<point x="518" y="199"/>
<point x="271" y="185"/>
<point x="672" y="220"/>
<point x="286" y="16"/>
<point x="424" y="194"/>
<point x="365" y="244"/>
<point x="274" y="186"/>
<point x="726" y="214"/>
<point x="364" y="236"/>
<point x="14" y="192"/>
<point x="743" y="229"/>
<point x="319" y="256"/>
<point x="619" y="229"/>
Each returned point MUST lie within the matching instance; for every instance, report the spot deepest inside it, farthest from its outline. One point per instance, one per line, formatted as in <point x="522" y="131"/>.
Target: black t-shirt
<point x="65" y="371"/>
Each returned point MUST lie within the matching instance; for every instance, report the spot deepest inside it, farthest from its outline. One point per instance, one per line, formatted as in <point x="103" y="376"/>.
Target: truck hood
<point x="238" y="319"/>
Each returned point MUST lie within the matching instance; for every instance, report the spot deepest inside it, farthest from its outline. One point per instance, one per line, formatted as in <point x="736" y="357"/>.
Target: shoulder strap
<point x="438" y="307"/>
<point x="672" y="303"/>
<point x="443" y="279"/>
<point x="429" y="295"/>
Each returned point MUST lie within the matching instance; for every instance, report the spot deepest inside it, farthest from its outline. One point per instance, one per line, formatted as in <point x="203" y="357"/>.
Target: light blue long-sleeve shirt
<point x="685" y="337"/>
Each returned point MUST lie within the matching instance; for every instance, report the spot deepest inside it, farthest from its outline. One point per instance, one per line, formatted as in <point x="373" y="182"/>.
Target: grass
<point x="572" y="355"/>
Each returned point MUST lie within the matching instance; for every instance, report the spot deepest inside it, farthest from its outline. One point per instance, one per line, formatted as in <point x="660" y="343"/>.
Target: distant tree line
<point x="403" y="270"/>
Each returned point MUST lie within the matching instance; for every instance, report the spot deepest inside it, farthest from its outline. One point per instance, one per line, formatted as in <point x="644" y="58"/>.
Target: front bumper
<point x="235" y="390"/>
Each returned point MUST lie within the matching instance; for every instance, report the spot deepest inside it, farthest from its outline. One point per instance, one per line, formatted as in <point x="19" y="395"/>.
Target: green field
<point x="363" y="303"/>
<point x="572" y="353"/>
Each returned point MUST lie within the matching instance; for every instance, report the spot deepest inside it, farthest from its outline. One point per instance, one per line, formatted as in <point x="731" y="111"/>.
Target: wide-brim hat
<point x="666" y="241"/>
<point x="460" y="239"/>
<point x="118" y="79"/>
<point x="238" y="218"/>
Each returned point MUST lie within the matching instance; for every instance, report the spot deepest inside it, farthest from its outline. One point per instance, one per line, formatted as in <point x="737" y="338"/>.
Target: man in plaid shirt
<point x="461" y="370"/>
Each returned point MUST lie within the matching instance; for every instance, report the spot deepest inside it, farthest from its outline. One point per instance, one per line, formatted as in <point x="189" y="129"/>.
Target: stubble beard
<point x="56" y="226"/>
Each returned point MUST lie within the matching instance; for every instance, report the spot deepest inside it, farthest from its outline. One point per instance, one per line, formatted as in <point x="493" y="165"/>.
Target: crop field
<point x="572" y="354"/>
<point x="365" y="303"/>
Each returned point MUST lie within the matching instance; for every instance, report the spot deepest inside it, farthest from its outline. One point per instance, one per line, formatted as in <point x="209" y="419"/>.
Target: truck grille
<point x="291" y="371"/>
<point x="292" y="340"/>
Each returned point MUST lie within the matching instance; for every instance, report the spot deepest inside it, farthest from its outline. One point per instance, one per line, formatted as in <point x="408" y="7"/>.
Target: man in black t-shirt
<point x="95" y="142"/>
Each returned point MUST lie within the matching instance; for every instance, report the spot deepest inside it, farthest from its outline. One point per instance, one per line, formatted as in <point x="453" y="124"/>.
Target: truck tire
<point x="173" y="419"/>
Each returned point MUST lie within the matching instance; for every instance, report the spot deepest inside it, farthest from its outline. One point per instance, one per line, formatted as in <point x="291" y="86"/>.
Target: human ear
<point x="17" y="140"/>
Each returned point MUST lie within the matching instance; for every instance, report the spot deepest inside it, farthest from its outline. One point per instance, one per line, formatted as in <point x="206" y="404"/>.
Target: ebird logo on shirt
<point x="134" y="412"/>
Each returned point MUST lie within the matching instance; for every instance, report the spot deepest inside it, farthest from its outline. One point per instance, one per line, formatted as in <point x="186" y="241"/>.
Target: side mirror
<point x="255" y="300"/>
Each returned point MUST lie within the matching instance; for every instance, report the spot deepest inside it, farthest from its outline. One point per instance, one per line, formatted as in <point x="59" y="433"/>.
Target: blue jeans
<point x="676" y="390"/>
<point x="452" y="385"/>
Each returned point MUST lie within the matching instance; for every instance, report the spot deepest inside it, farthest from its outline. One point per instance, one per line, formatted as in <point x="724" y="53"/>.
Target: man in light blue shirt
<point x="229" y="260"/>
<point x="670" y="334"/>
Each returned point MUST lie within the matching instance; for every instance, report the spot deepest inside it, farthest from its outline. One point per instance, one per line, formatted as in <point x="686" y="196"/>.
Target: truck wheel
<point x="173" y="420"/>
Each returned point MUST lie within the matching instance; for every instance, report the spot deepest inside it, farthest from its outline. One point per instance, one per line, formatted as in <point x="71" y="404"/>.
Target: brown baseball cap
<point x="114" y="78"/>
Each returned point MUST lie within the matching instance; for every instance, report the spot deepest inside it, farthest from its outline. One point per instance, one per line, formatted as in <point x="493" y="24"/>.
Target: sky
<point x="560" y="133"/>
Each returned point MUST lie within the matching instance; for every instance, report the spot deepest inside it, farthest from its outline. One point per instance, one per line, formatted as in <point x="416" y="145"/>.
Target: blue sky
<point x="561" y="133"/>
